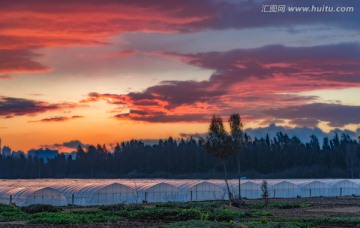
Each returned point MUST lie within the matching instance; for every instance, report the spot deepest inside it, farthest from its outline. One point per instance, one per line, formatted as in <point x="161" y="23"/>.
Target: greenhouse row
<point x="62" y="192"/>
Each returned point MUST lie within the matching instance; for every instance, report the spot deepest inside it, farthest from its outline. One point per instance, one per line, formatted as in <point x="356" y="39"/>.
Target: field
<point x="300" y="212"/>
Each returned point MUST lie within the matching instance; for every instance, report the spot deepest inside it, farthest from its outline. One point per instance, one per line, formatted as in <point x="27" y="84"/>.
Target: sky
<point x="101" y="72"/>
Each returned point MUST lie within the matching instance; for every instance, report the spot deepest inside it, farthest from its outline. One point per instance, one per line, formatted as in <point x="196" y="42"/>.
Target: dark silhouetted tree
<point x="219" y="144"/>
<point x="237" y="135"/>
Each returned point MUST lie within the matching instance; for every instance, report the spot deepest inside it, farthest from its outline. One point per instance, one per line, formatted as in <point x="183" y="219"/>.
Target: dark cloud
<point x="305" y="122"/>
<point x="70" y="145"/>
<point x="192" y="135"/>
<point x="57" y="119"/>
<point x="176" y="93"/>
<point x="336" y="114"/>
<point x="161" y="117"/>
<point x="10" y="107"/>
<point x="328" y="64"/>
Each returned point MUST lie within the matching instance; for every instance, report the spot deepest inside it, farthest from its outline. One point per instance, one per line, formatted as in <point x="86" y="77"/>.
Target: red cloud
<point x="121" y="53"/>
<point x="20" y="61"/>
<point x="249" y="81"/>
<point x="28" y="25"/>
<point x="6" y="77"/>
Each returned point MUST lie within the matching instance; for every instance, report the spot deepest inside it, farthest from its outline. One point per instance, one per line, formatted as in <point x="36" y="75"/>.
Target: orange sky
<point x="104" y="72"/>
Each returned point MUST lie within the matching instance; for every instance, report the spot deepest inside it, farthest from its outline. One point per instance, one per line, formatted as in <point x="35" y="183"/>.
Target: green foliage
<point x="199" y="205"/>
<point x="166" y="214"/>
<point x="265" y="192"/>
<point x="225" y="215"/>
<point x="236" y="129"/>
<point x="38" y="208"/>
<point x="8" y="208"/>
<point x="72" y="218"/>
<point x="219" y="142"/>
<point x="261" y="213"/>
<point x="119" y="207"/>
<point x="191" y="214"/>
<point x="11" y="213"/>
<point x="282" y="205"/>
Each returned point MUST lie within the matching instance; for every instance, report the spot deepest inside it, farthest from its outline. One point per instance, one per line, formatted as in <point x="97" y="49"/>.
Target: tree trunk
<point x="227" y="184"/>
<point x="238" y="161"/>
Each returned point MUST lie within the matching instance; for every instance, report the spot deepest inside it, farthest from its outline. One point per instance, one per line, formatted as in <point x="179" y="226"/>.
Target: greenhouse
<point x="345" y="188"/>
<point x="60" y="192"/>
<point x="284" y="189"/>
<point x="161" y="192"/>
<point x="103" y="195"/>
<point x="202" y="191"/>
<point x="315" y="189"/>
<point x="28" y="196"/>
<point x="250" y="190"/>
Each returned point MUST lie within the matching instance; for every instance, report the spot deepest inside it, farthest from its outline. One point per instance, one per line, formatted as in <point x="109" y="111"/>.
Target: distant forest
<point x="278" y="157"/>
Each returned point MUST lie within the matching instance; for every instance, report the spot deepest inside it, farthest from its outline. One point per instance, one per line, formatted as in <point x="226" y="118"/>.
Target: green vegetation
<point x="282" y="205"/>
<point x="37" y="208"/>
<point x="11" y="213"/>
<point x="265" y="192"/>
<point x="73" y="218"/>
<point x="189" y="214"/>
<point x="166" y="212"/>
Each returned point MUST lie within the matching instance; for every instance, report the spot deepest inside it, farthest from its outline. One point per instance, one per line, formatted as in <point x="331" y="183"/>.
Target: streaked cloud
<point x="57" y="119"/>
<point x="10" y="107"/>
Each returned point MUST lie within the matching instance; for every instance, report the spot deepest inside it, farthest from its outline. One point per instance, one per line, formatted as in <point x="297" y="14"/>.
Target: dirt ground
<point x="320" y="207"/>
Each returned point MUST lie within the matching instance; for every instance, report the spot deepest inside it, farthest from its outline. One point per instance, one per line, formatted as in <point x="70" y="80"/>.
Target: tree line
<point x="279" y="157"/>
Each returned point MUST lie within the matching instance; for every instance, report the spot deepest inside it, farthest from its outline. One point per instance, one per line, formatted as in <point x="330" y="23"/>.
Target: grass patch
<point x="261" y="213"/>
<point x="283" y="205"/>
<point x="197" y="214"/>
<point x="73" y="218"/>
<point x="11" y="213"/>
<point x="38" y="208"/>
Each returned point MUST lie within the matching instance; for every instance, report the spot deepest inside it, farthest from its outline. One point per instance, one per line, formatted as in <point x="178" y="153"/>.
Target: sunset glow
<point x="103" y="72"/>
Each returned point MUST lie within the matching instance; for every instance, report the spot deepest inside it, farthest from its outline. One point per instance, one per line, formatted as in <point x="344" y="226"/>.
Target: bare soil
<point x="320" y="207"/>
